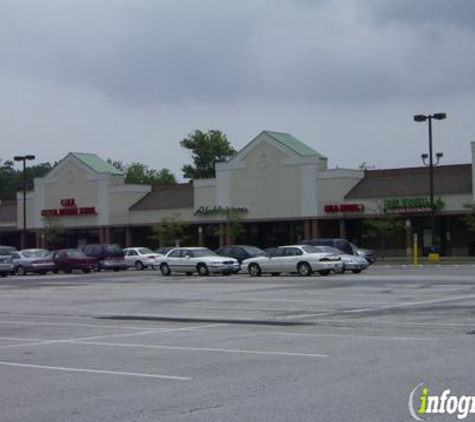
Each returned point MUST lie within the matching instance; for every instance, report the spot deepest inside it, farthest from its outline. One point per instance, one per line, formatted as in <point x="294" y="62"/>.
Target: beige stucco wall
<point x="267" y="186"/>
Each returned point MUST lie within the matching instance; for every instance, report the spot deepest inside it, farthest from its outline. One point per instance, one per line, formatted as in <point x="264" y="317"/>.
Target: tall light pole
<point x="24" y="158"/>
<point x="439" y="155"/>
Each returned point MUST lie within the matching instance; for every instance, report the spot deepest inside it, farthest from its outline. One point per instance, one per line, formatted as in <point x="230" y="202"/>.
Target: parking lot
<point x="135" y="346"/>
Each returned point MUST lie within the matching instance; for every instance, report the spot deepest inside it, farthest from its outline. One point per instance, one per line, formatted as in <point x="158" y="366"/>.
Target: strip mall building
<point x="281" y="188"/>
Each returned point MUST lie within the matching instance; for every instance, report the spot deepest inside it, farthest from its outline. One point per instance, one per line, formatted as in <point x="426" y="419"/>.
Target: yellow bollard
<point x="415" y="250"/>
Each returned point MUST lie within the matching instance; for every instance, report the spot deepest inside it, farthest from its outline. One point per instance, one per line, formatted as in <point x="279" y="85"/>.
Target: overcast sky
<point x="128" y="79"/>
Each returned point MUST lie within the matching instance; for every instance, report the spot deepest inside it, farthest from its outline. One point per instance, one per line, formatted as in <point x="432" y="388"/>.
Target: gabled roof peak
<point x="296" y="145"/>
<point x="96" y="163"/>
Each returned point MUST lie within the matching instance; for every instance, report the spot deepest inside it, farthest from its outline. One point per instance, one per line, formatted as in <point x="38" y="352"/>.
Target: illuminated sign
<point x="410" y="205"/>
<point x="219" y="210"/>
<point x="344" y="208"/>
<point x="69" y="209"/>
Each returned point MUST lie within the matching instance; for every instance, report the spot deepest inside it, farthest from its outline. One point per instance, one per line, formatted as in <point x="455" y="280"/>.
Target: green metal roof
<point x="96" y="163"/>
<point x="294" y="144"/>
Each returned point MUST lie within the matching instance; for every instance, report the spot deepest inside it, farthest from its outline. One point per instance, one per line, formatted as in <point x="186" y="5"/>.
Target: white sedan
<point x="301" y="259"/>
<point x="353" y="263"/>
<point x="141" y="258"/>
<point x="200" y="260"/>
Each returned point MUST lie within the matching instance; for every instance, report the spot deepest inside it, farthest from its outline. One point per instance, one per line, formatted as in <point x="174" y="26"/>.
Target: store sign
<point x="411" y="205"/>
<point x="344" y="208"/>
<point x="219" y="210"/>
<point x="69" y="208"/>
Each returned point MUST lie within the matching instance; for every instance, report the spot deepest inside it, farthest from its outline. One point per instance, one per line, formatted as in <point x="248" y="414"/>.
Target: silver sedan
<point x="200" y="260"/>
<point x="31" y="261"/>
<point x="301" y="259"/>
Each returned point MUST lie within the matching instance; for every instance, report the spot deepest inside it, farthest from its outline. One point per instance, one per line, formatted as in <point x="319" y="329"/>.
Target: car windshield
<point x="113" y="249"/>
<point x="312" y="249"/>
<point x="253" y="250"/>
<point x="199" y="253"/>
<point x="145" y="251"/>
<point x="76" y="254"/>
<point x="331" y="249"/>
<point x="35" y="254"/>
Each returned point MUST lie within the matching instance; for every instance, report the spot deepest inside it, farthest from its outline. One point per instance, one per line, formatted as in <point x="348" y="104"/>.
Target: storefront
<point x="277" y="189"/>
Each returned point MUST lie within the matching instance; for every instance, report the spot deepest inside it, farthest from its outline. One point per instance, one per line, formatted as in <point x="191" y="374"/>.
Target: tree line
<point x="207" y="148"/>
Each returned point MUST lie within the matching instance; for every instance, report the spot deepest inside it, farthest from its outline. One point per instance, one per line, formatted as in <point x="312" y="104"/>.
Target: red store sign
<point x="69" y="209"/>
<point x="344" y="208"/>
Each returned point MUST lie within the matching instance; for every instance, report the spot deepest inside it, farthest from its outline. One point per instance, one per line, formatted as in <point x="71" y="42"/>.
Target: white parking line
<point x="95" y="371"/>
<point x="203" y="349"/>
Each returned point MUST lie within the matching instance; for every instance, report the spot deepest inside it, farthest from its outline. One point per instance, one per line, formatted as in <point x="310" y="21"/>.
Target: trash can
<point x="433" y="253"/>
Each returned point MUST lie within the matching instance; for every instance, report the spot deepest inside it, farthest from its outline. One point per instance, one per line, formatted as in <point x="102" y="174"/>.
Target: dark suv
<point x="109" y="256"/>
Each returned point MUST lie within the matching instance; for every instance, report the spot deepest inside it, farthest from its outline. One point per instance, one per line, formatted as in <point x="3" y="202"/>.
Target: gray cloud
<point x="150" y="51"/>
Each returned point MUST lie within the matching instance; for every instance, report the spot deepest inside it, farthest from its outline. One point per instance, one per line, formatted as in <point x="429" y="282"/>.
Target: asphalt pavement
<point x="136" y="346"/>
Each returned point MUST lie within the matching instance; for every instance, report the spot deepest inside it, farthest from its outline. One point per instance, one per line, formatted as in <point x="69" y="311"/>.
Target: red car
<point x="67" y="260"/>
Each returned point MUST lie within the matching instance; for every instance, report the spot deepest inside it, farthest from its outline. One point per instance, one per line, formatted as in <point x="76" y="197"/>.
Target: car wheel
<point x="275" y="274"/>
<point x="68" y="270"/>
<point x="304" y="269"/>
<point x="340" y="270"/>
<point x="255" y="270"/>
<point x="202" y="269"/>
<point x="43" y="272"/>
<point x="56" y="271"/>
<point x="139" y="266"/>
<point x="20" y="270"/>
<point x="86" y="270"/>
<point x="324" y="272"/>
<point x="356" y="271"/>
<point x="165" y="269"/>
<point x="3" y="274"/>
<point x="189" y="273"/>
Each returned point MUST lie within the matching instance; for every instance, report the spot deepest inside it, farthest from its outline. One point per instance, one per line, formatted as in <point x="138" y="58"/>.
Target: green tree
<point x="140" y="174"/>
<point x="207" y="149"/>
<point x="54" y="232"/>
<point x="171" y="231"/>
<point x="137" y="173"/>
<point x="384" y="226"/>
<point x="234" y="227"/>
<point x="11" y="179"/>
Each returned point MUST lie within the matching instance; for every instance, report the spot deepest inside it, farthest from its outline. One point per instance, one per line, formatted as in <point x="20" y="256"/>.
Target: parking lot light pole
<point x="439" y="155"/>
<point x="24" y="158"/>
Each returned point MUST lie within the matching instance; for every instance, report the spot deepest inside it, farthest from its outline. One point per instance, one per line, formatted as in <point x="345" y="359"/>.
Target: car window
<point x="15" y="255"/>
<point x="113" y="249"/>
<point x="238" y="252"/>
<point x="145" y="251"/>
<point x="278" y="252"/>
<point x="131" y="252"/>
<point x="174" y="254"/>
<point x="198" y="253"/>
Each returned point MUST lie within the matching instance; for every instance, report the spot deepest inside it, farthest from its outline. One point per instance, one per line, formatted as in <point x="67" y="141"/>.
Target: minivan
<point x="109" y="256"/>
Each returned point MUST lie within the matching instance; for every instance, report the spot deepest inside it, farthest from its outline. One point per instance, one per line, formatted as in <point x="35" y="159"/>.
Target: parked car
<point x="353" y="263"/>
<point x="301" y="259"/>
<point x="109" y="256"/>
<point x="200" y="260"/>
<point x="367" y="254"/>
<point x="240" y="252"/>
<point x="342" y="244"/>
<point x="141" y="258"/>
<point x="68" y="260"/>
<point x="164" y="250"/>
<point x="6" y="263"/>
<point x="31" y="261"/>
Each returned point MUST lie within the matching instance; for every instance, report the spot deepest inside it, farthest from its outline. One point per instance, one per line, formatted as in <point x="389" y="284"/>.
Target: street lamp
<point x="422" y="118"/>
<point x="24" y="158"/>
